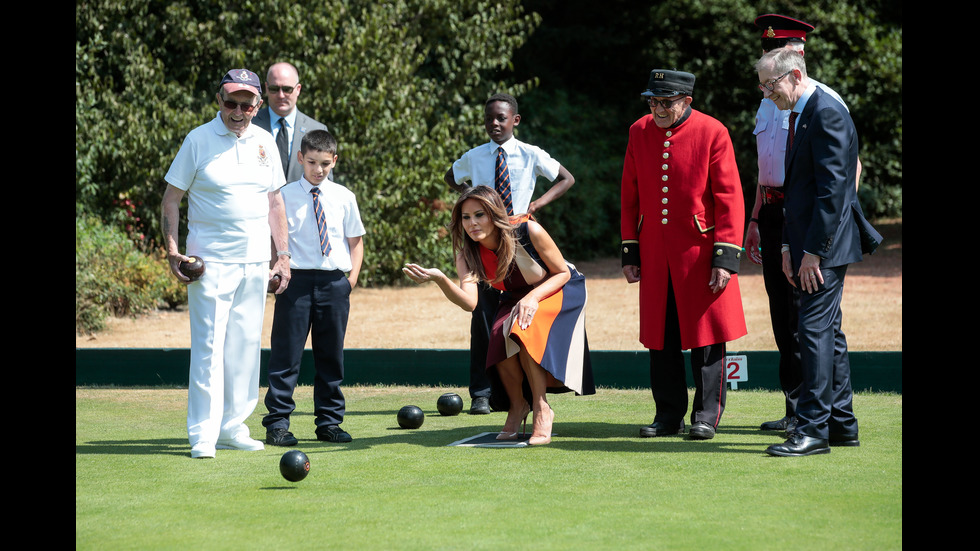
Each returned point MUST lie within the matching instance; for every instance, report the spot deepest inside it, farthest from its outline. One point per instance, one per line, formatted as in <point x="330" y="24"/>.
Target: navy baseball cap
<point x="241" y="79"/>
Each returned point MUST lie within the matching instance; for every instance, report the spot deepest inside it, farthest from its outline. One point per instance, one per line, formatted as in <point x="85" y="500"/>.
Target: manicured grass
<point x="596" y="486"/>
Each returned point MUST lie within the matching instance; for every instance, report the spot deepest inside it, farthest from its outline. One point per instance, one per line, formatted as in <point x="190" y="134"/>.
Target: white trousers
<point x="227" y="306"/>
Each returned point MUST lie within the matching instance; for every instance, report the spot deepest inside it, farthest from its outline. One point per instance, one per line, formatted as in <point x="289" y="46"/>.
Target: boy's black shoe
<point x="333" y="433"/>
<point x="280" y="437"/>
<point x="480" y="406"/>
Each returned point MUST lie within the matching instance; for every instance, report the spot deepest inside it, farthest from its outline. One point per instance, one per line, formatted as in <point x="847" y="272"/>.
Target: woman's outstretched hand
<point x="418" y="274"/>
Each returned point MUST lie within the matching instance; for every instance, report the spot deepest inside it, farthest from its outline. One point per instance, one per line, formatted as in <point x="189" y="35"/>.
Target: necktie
<point x="792" y="129"/>
<point x="282" y="142"/>
<point x="321" y="222"/>
<point x="501" y="181"/>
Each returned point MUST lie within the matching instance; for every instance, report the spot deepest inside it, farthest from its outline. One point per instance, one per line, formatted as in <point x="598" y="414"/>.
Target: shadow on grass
<point x="164" y="446"/>
<point x="574" y="436"/>
<point x="571" y="436"/>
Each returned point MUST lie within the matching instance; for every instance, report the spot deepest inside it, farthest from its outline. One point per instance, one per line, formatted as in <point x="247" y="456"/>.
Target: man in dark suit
<point x="824" y="231"/>
<point x="283" y="87"/>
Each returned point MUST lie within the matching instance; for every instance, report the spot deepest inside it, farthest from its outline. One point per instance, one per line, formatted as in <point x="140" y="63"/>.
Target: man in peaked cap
<point x="231" y="173"/>
<point x="763" y="236"/>
<point x="682" y="221"/>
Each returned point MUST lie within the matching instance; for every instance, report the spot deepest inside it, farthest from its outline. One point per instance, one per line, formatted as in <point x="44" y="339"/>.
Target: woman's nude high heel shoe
<point x="542" y="428"/>
<point x="512" y="435"/>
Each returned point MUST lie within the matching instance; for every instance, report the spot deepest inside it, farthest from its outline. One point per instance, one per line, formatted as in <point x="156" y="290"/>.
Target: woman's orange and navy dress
<point x="556" y="337"/>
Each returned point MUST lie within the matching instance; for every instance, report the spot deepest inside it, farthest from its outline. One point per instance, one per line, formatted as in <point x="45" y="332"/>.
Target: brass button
<point x="664" y="189"/>
<point x="664" y="166"/>
<point x="666" y="144"/>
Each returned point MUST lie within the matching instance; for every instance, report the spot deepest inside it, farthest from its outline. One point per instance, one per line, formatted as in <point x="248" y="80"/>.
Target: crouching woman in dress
<point x="538" y="343"/>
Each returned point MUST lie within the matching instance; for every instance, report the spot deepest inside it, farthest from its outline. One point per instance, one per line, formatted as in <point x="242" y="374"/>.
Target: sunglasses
<point x="665" y="103"/>
<point x="232" y="105"/>
<point x="273" y="89"/>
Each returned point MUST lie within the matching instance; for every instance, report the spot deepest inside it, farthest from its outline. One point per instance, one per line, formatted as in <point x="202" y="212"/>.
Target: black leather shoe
<point x="332" y="433"/>
<point x="846" y="440"/>
<point x="280" y="437"/>
<point x="776" y="425"/>
<point x="799" y="445"/>
<point x="702" y="431"/>
<point x="658" y="428"/>
<point x="480" y="406"/>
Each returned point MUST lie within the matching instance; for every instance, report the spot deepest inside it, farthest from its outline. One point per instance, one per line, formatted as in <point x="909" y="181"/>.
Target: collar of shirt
<point x="307" y="186"/>
<point x="274" y="121"/>
<point x="510" y="146"/>
<point x="801" y="103"/>
<point x="221" y="129"/>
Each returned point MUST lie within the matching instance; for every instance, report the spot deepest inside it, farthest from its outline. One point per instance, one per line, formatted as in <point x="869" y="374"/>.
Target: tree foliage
<point x="592" y="64"/>
<point x="400" y="83"/>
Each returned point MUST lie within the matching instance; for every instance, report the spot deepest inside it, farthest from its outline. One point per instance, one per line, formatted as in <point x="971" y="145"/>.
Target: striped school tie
<point x="321" y="222"/>
<point x="501" y="181"/>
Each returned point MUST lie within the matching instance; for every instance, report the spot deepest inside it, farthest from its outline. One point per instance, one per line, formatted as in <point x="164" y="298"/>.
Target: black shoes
<point x="332" y="433"/>
<point x="480" y="406"/>
<point x="280" y="437"/>
<point x="781" y="424"/>
<point x="658" y="428"/>
<point x="844" y="440"/>
<point x="702" y="431"/>
<point x="798" y="445"/>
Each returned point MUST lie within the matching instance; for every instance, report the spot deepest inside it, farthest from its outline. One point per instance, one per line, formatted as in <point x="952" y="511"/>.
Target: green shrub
<point x="114" y="277"/>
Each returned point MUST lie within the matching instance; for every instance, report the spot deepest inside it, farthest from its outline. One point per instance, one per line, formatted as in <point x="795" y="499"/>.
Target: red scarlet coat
<point x="682" y="214"/>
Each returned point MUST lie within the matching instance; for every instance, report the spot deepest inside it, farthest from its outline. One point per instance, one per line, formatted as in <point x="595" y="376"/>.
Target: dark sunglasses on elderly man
<point x="665" y="103"/>
<point x="245" y="107"/>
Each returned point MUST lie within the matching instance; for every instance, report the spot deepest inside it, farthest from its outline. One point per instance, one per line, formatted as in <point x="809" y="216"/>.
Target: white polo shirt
<point x="227" y="179"/>
<point x="343" y="221"/>
<point x="525" y="163"/>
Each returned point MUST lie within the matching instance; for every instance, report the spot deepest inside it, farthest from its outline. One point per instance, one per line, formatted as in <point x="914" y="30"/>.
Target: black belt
<point x="771" y="195"/>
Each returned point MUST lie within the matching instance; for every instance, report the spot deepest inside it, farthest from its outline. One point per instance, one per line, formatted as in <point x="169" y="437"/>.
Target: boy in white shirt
<point x="325" y="232"/>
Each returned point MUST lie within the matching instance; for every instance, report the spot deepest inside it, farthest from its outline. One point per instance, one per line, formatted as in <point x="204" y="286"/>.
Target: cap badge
<point x="770" y="33"/>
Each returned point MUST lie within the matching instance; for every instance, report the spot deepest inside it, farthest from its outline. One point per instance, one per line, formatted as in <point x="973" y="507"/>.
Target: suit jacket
<point x="823" y="215"/>
<point x="294" y="171"/>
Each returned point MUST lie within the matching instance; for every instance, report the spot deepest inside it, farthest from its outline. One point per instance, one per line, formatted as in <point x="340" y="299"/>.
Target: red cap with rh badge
<point x="241" y="79"/>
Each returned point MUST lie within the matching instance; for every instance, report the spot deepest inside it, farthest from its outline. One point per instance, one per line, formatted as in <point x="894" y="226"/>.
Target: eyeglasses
<point x="770" y="85"/>
<point x="232" y="105"/>
<point x="665" y="103"/>
<point x="273" y="89"/>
